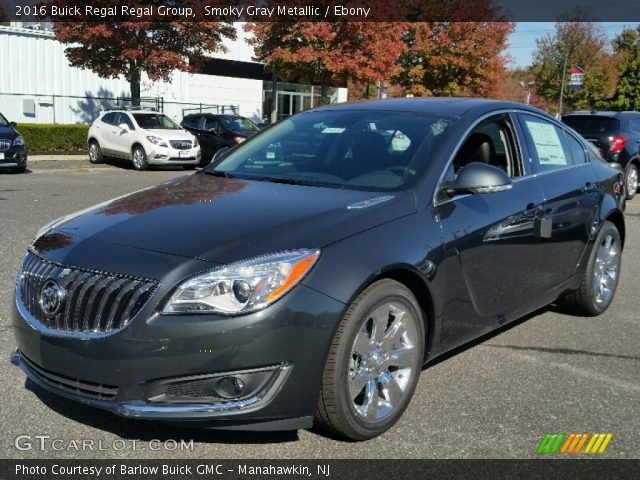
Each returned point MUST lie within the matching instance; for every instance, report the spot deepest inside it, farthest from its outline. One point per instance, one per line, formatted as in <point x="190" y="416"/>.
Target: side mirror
<point x="220" y="154"/>
<point x="13" y="124"/>
<point x="479" y="177"/>
<point x="124" y="127"/>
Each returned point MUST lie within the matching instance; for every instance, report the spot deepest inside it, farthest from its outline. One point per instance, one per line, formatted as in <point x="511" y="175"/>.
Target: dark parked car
<point x="616" y="135"/>
<point x="13" y="152"/>
<point x="217" y="131"/>
<point x="312" y="271"/>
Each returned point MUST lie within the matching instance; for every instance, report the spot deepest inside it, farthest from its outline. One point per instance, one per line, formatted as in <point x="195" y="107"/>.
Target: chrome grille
<point x="5" y="145"/>
<point x="180" y="144"/>
<point x="92" y="302"/>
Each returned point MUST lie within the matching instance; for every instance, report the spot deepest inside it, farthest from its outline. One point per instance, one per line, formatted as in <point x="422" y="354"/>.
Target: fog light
<point x="230" y="387"/>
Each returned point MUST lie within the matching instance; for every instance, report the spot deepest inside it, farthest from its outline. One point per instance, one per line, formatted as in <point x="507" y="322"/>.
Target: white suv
<point x="142" y="136"/>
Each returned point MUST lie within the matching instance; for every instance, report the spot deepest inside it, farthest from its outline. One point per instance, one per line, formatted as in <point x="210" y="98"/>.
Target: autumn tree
<point x="150" y="45"/>
<point x="584" y="43"/>
<point x="328" y="53"/>
<point x="453" y="58"/>
<point x="626" y="47"/>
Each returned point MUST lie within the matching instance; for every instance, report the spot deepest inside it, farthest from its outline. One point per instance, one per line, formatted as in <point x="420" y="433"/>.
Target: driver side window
<point x="492" y="142"/>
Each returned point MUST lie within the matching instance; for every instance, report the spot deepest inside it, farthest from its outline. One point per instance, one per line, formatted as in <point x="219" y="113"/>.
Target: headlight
<point x="161" y="142"/>
<point x="239" y="139"/>
<point x="195" y="142"/>
<point x="244" y="286"/>
<point x="19" y="141"/>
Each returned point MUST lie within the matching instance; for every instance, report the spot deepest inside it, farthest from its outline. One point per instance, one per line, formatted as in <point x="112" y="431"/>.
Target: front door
<point x="492" y="241"/>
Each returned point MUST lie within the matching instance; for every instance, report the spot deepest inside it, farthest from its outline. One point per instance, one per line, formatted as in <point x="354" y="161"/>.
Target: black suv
<point x="616" y="135"/>
<point x="217" y="131"/>
<point x="13" y="153"/>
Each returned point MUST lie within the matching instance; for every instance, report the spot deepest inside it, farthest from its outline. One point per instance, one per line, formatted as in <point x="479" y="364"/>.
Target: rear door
<point x="571" y="194"/>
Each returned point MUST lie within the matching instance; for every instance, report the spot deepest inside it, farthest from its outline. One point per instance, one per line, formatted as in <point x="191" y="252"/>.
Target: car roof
<point x="446" y="106"/>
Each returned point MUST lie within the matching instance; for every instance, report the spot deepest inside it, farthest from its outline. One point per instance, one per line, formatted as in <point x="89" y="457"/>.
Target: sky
<point x="522" y="42"/>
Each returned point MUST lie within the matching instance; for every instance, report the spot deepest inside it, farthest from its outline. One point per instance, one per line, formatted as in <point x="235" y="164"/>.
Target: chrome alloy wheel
<point x="606" y="269"/>
<point x="382" y="361"/>
<point x="138" y="158"/>
<point x="93" y="152"/>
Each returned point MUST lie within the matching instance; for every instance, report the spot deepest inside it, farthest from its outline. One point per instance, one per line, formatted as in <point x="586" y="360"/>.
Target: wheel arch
<point x="617" y="218"/>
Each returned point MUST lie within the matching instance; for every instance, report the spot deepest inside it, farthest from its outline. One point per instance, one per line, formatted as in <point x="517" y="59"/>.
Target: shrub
<point x="54" y="138"/>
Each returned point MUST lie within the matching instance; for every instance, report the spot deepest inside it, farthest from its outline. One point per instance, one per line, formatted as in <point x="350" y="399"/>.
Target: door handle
<point x="589" y="187"/>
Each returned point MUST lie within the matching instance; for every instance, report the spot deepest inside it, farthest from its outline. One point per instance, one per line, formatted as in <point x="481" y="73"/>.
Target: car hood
<point x="171" y="134"/>
<point x="223" y="220"/>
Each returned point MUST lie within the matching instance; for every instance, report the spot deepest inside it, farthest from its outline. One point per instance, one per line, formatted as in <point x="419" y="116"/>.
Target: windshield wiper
<point x="286" y="181"/>
<point x="217" y="173"/>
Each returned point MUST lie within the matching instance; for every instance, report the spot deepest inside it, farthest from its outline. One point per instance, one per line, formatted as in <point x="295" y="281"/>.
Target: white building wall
<point x="44" y="72"/>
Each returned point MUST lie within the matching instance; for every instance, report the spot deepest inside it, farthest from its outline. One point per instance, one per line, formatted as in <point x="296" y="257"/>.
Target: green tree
<point x="584" y="44"/>
<point x="627" y="47"/>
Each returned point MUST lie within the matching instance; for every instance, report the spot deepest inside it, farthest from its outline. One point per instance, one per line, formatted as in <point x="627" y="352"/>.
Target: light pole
<point x="564" y="74"/>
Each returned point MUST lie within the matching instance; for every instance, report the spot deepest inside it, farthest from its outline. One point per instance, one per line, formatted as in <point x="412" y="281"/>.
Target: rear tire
<point x="631" y="178"/>
<point x="601" y="276"/>
<point x="139" y="158"/>
<point x="95" y="152"/>
<point x="373" y="364"/>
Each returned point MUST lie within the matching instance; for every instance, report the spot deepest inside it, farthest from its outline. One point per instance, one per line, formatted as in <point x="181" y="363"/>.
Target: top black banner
<point x="320" y="11"/>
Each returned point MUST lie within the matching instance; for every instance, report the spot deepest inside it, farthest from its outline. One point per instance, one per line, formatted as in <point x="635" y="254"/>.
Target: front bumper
<point x="14" y="157"/>
<point x="171" y="156"/>
<point x="128" y="371"/>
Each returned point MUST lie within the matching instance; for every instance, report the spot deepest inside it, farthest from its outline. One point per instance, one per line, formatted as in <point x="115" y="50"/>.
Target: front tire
<point x="598" y="287"/>
<point x="373" y="364"/>
<point x="631" y="176"/>
<point x="139" y="158"/>
<point x="95" y="152"/>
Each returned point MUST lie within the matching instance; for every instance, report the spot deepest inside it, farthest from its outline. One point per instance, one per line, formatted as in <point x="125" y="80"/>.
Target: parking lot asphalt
<point x="495" y="398"/>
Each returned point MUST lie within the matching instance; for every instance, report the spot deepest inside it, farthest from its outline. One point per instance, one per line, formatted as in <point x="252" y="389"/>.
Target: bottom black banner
<point x="317" y="469"/>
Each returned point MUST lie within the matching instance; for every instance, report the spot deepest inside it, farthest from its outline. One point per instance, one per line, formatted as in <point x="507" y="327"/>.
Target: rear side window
<point x="548" y="143"/>
<point x="578" y="154"/>
<point x="587" y="125"/>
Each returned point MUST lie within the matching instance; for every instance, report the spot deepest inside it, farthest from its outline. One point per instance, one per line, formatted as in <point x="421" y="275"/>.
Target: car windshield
<point x="239" y="124"/>
<point x="371" y="150"/>
<point x="155" y="121"/>
<point x="591" y="124"/>
<point x="3" y="121"/>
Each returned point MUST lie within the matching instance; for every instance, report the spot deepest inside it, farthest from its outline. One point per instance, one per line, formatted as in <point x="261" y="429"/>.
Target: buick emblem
<point x="51" y="296"/>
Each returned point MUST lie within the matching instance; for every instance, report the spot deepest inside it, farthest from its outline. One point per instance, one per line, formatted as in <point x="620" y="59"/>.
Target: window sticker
<point x="333" y="130"/>
<point x="547" y="142"/>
